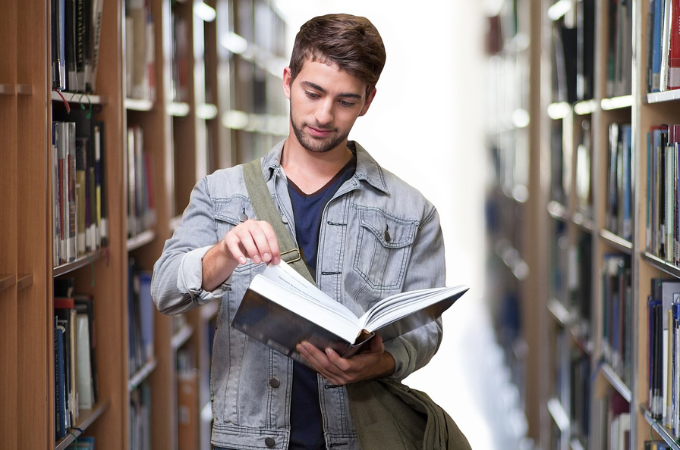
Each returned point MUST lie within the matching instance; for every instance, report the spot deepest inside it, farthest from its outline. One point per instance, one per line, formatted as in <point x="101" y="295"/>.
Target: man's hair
<point x="351" y="42"/>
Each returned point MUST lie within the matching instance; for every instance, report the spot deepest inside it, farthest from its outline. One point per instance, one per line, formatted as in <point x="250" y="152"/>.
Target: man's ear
<point x="287" y="80"/>
<point x="369" y="100"/>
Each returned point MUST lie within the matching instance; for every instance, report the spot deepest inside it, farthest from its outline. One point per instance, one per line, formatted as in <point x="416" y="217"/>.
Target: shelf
<point x="617" y="242"/>
<point x="140" y="240"/>
<point x="558" y="111"/>
<point x="82" y="261"/>
<point x="85" y="419"/>
<point x="142" y="374"/>
<point x="609" y="104"/>
<point x="209" y="310"/>
<point x="558" y="415"/>
<point x="134" y="104"/>
<point x="83" y="98"/>
<point x="618" y="384"/>
<point x="660" y="429"/>
<point x="585" y="107"/>
<point x="182" y="336"/>
<point x="512" y="259"/>
<point x="661" y="264"/>
<point x="583" y="222"/>
<point x="179" y="109"/>
<point x="666" y="96"/>
<point x="559" y="312"/>
<point x="558" y="211"/>
<point x="7" y="281"/>
<point x="24" y="281"/>
<point x="206" y="111"/>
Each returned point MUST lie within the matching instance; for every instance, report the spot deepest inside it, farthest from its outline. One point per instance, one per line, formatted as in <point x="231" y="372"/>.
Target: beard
<point x="316" y="145"/>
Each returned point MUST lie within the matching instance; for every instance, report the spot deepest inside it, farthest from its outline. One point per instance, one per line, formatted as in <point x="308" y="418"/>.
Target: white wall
<point x="425" y="125"/>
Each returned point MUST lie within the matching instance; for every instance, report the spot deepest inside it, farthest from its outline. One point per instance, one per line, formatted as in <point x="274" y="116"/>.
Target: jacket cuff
<point x="190" y="277"/>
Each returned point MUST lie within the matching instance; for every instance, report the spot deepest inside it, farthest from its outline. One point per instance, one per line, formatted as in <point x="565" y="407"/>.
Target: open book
<point x="281" y="309"/>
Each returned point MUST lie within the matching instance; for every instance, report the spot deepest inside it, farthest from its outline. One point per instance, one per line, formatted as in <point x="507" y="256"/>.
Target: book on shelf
<point x="281" y="309"/>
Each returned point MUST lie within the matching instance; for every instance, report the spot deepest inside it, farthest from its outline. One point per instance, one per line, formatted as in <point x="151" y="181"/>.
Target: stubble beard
<point x="316" y="145"/>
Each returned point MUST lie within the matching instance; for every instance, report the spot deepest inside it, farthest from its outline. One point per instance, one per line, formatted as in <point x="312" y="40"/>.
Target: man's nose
<point x="324" y="114"/>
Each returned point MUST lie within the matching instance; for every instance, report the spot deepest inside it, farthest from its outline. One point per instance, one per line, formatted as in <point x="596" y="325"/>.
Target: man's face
<point x="324" y="103"/>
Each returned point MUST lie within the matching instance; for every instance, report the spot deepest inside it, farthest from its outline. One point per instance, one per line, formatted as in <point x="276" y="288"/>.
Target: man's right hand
<point x="254" y="239"/>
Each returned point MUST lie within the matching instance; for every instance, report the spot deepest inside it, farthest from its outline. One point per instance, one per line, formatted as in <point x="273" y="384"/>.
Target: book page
<point x="288" y="278"/>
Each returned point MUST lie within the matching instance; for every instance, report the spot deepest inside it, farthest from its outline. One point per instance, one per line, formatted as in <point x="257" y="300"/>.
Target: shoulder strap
<point x="265" y="210"/>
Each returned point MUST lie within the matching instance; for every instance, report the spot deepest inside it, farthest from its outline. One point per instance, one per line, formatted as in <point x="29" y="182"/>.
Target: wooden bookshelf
<point x="560" y="119"/>
<point x="184" y="139"/>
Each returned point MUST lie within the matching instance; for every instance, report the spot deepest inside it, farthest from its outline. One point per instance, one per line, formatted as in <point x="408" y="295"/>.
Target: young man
<point x="364" y="233"/>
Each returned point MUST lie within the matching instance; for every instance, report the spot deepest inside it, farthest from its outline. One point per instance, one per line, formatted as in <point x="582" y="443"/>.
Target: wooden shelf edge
<point x="661" y="264"/>
<point x="142" y="374"/>
<point x="558" y="211"/>
<point x="666" y="96"/>
<point x="7" y="281"/>
<point x="612" y="103"/>
<point x="140" y="240"/>
<point x="87" y="418"/>
<point x="182" y="336"/>
<point x="558" y="415"/>
<point x="134" y="104"/>
<point x="617" y="242"/>
<point x="82" y="261"/>
<point x="660" y="429"/>
<point x="616" y="382"/>
<point x="74" y="97"/>
<point x="8" y="89"/>
<point x="25" y="281"/>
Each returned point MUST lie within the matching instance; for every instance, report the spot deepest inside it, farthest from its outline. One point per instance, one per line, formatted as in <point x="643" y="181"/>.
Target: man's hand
<point x="373" y="362"/>
<point x="254" y="239"/>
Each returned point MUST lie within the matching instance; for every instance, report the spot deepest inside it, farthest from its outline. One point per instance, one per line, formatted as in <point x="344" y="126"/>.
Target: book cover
<point x="282" y="309"/>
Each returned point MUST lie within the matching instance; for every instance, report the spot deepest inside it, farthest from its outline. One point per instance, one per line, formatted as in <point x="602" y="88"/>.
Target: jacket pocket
<point x="383" y="248"/>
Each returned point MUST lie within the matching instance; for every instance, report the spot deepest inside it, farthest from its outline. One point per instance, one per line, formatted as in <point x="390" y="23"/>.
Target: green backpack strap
<point x="264" y="207"/>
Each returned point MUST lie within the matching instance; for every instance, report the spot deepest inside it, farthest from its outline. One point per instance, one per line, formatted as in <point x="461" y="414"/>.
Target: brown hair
<point x="351" y="42"/>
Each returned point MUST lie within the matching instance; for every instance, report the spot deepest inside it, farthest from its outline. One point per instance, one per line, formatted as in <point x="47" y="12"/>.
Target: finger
<point x="272" y="241"/>
<point x="266" y="241"/>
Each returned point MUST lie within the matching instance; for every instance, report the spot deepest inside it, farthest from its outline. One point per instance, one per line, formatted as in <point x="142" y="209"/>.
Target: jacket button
<point x="270" y="442"/>
<point x="274" y="382"/>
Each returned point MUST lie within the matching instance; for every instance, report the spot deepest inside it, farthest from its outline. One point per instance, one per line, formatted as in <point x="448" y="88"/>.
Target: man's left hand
<point x="373" y="362"/>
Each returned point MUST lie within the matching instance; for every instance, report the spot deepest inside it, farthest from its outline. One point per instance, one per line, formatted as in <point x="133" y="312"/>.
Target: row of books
<point x="76" y="33"/>
<point x="76" y="386"/>
<point x="140" y="76"/>
<point x="140" y="418"/>
<point x="664" y="353"/>
<point x="619" y="201"/>
<point x="617" y="313"/>
<point x="663" y="46"/>
<point x="78" y="186"/>
<point x="574" y="55"/>
<point x="141" y="310"/>
<point x="663" y="214"/>
<point x="141" y="207"/>
<point x="612" y="427"/>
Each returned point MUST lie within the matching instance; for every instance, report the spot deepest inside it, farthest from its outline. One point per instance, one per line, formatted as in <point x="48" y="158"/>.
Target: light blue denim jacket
<point x="358" y="264"/>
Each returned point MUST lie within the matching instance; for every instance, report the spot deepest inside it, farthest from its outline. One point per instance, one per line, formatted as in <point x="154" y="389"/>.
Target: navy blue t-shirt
<point x="305" y="413"/>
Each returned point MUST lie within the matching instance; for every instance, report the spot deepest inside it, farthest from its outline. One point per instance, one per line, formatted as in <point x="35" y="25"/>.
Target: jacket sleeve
<point x="177" y="275"/>
<point x="426" y="269"/>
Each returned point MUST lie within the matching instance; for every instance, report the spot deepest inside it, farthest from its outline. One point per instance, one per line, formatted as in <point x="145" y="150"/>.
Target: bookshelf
<point x="182" y="140"/>
<point x="596" y="260"/>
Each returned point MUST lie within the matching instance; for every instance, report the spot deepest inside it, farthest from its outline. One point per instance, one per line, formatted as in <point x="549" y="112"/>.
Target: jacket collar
<point x="367" y="169"/>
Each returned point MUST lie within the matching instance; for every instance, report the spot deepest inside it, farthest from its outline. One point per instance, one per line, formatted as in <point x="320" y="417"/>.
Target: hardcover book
<point x="281" y="309"/>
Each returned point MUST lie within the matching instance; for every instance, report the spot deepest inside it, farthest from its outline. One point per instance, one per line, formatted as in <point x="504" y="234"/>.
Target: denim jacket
<point x="379" y="236"/>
